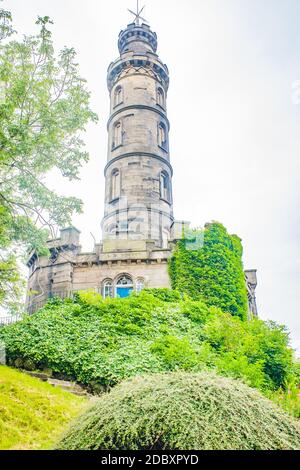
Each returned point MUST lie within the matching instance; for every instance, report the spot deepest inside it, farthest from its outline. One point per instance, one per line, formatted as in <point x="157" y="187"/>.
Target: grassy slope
<point x="32" y="413"/>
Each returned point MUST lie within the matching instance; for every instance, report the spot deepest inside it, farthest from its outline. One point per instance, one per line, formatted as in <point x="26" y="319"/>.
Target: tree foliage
<point x="183" y="411"/>
<point x="44" y="109"/>
<point x="6" y="29"/>
<point x="211" y="270"/>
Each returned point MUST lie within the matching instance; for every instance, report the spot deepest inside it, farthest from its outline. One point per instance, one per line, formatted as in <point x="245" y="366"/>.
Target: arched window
<point x="124" y="286"/>
<point x="107" y="289"/>
<point x="112" y="229"/>
<point x="165" y="189"/>
<point x="140" y="284"/>
<point x="115" y="184"/>
<point x="165" y="239"/>
<point x="118" y="97"/>
<point x="160" y="97"/>
<point x="162" y="135"/>
<point x="123" y="226"/>
<point x="117" y="137"/>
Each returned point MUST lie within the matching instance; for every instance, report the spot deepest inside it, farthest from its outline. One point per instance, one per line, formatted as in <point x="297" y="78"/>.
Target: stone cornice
<point x="136" y="208"/>
<point x="138" y="154"/>
<point x="137" y="259"/>
<point x="47" y="266"/>
<point x="138" y="106"/>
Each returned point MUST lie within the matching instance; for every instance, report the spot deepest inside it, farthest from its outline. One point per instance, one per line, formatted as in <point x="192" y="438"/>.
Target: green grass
<point x="33" y="413"/>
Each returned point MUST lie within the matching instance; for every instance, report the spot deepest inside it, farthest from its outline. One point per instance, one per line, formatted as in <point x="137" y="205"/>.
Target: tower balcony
<point x="137" y="38"/>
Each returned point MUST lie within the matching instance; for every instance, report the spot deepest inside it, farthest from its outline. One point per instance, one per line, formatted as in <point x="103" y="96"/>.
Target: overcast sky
<point x="234" y="108"/>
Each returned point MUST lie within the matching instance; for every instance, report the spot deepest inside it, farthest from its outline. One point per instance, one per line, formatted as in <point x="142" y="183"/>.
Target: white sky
<point x="234" y="108"/>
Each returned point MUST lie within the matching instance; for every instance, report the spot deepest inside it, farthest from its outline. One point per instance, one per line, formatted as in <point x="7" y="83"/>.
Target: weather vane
<point x="137" y="15"/>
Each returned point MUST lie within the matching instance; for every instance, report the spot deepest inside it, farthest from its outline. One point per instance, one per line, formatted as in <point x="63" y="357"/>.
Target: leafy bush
<point x="167" y="295"/>
<point x="263" y="344"/>
<point x="183" y="411"/>
<point x="288" y="398"/>
<point x="176" y="353"/>
<point x="100" y="342"/>
<point x="207" y="265"/>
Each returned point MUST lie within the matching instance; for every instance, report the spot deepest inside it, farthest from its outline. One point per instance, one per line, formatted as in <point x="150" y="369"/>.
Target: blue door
<point x="123" y="292"/>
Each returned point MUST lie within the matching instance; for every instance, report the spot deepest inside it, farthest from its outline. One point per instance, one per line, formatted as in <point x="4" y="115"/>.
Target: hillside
<point x="32" y="413"/>
<point x="101" y="342"/>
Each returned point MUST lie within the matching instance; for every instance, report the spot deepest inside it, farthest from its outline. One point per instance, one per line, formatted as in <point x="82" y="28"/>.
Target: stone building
<point x="139" y="230"/>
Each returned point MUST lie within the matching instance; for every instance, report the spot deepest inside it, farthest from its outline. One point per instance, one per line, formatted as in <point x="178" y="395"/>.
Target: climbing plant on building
<point x="211" y="271"/>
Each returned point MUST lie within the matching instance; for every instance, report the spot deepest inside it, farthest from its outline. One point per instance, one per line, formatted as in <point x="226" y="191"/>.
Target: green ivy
<point x="99" y="342"/>
<point x="167" y="295"/>
<point x="211" y="271"/>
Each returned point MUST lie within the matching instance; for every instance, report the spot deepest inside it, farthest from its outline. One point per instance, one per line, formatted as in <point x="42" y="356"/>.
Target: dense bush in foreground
<point x="183" y="411"/>
<point x="101" y="342"/>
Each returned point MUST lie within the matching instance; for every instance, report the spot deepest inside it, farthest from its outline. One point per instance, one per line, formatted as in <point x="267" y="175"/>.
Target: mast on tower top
<point x="137" y="15"/>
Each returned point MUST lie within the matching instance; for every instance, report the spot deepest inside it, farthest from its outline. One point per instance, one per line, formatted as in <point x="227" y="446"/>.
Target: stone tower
<point x="138" y="195"/>
<point x="139" y="230"/>
<point x="138" y="226"/>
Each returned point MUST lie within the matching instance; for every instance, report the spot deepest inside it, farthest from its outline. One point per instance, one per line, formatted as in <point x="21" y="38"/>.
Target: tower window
<point x="117" y="137"/>
<point x="162" y="135"/>
<point x="118" y="96"/>
<point x="115" y="184"/>
<point x="112" y="229"/>
<point x="161" y="97"/>
<point x="123" y="227"/>
<point x="165" y="188"/>
<point x="165" y="239"/>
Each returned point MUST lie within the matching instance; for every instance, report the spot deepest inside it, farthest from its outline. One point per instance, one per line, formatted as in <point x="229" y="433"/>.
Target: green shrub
<point x="183" y="411"/>
<point x="176" y="353"/>
<point x="295" y="372"/>
<point x="238" y="366"/>
<point x="272" y="342"/>
<point x="96" y="341"/>
<point x="288" y="398"/>
<point x="167" y="295"/>
<point x="263" y="345"/>
<point x="101" y="342"/>
<point x="211" y="271"/>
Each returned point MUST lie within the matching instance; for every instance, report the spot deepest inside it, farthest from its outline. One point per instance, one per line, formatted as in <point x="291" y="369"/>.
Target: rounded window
<point x="118" y="98"/>
<point x="107" y="289"/>
<point x="165" y="187"/>
<point x="162" y="136"/>
<point x="165" y="239"/>
<point x="160" y="97"/>
<point x="140" y="284"/>
<point x="115" y="184"/>
<point x="124" y="286"/>
<point x="117" y="135"/>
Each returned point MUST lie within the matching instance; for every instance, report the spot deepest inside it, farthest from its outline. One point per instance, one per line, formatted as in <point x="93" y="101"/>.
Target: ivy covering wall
<point x="207" y="265"/>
